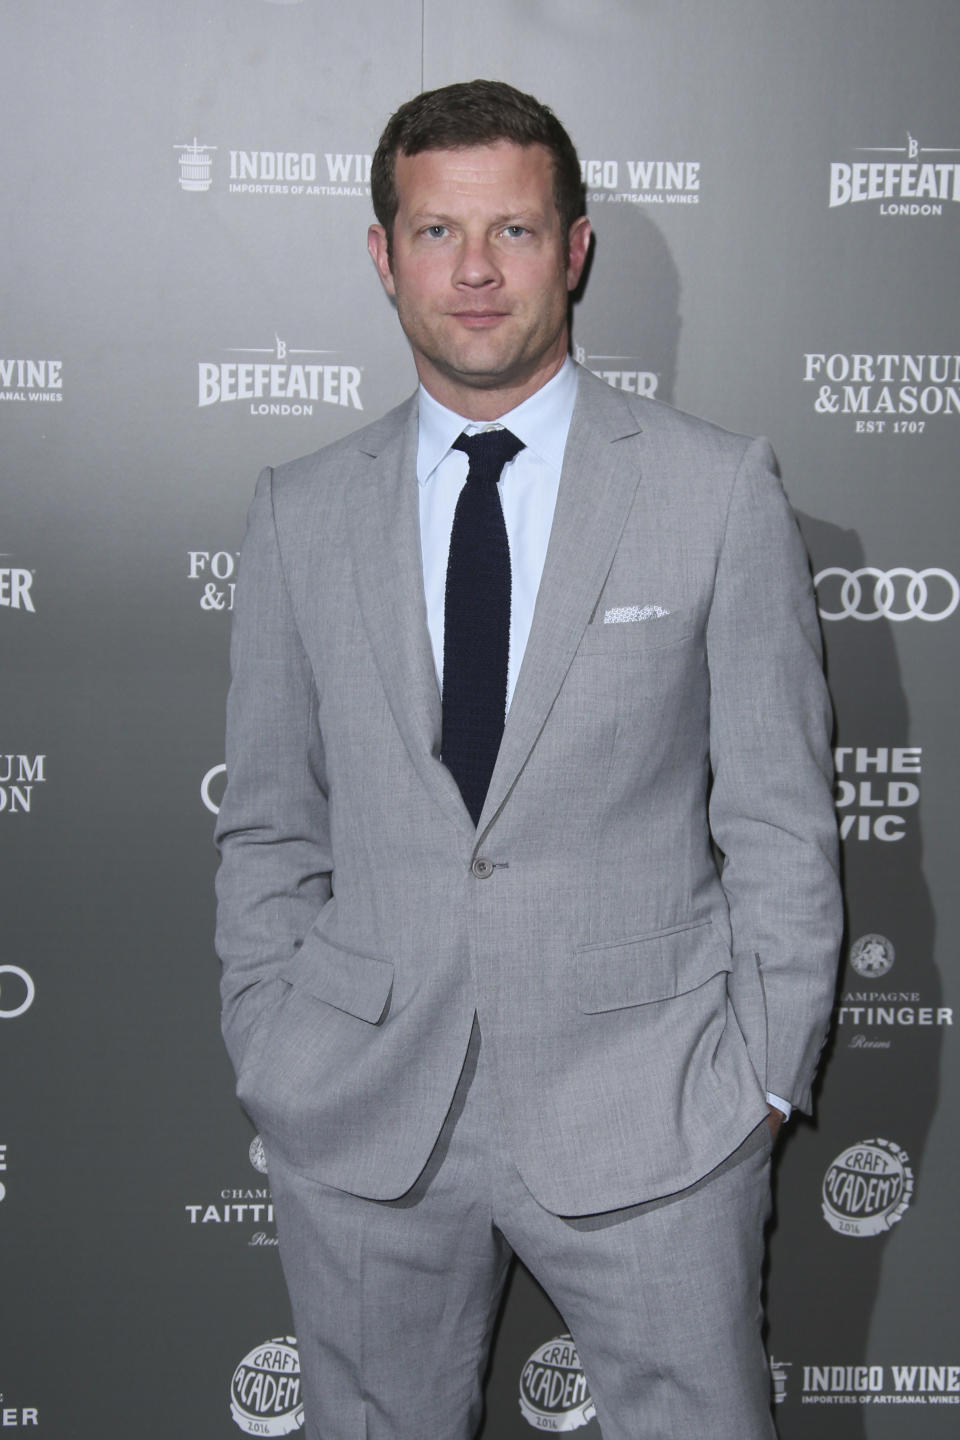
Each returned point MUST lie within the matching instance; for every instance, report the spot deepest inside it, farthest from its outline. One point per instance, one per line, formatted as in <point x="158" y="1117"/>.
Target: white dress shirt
<point x="528" y="493"/>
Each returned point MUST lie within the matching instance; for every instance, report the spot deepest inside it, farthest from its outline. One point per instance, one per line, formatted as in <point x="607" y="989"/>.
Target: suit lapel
<point x="384" y="516"/>
<point x="601" y="471"/>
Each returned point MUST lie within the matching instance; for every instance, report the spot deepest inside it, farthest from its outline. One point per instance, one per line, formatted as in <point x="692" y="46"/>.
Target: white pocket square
<point x="623" y="614"/>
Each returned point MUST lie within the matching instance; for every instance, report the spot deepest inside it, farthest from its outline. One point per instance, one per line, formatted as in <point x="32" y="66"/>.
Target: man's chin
<point x="484" y="379"/>
<point x="487" y="373"/>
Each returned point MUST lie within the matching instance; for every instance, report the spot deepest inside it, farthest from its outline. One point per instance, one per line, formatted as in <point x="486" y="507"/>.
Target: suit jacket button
<point x="482" y="868"/>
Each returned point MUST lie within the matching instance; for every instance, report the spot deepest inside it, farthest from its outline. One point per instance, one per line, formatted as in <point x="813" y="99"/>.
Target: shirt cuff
<point x="779" y="1104"/>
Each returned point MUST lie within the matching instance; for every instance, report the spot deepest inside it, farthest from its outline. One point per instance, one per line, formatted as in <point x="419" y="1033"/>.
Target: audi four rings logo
<point x="924" y="594"/>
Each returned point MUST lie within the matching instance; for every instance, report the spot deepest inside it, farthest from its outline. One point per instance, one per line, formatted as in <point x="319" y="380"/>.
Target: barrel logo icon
<point x="553" y="1388"/>
<point x="196" y="166"/>
<point x="265" y="1389"/>
<point x="867" y="1188"/>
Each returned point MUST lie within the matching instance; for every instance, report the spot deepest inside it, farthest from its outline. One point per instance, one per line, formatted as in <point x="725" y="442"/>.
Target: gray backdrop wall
<point x="775" y="189"/>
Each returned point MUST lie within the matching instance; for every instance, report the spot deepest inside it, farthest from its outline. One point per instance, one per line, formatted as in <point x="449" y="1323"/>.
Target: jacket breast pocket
<point x="626" y="636"/>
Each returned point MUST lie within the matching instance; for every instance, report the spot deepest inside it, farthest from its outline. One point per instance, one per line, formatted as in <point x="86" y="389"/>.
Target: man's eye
<point x="435" y="231"/>
<point x="514" y="231"/>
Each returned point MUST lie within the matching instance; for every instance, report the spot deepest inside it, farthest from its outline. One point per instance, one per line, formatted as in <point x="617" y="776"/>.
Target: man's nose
<point x="476" y="263"/>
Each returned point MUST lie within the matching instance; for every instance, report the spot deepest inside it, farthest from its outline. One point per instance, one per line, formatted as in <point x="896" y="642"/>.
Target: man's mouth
<point x="479" y="319"/>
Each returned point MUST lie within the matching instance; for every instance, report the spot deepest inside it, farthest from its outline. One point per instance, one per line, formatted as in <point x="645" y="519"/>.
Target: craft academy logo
<point x="921" y="182"/>
<point x="17" y="1417"/>
<point x="281" y="385"/>
<point x="214" y="572"/>
<point x="895" y="594"/>
<point x="15" y="587"/>
<point x="31" y="382"/>
<point x="641" y="182"/>
<point x="619" y="371"/>
<point x="881" y="1385"/>
<point x="553" y="1388"/>
<point x="241" y="1205"/>
<point x="871" y="1016"/>
<point x="19" y="777"/>
<point x="867" y="1188"/>
<point x="874" y="798"/>
<point x="17" y="992"/>
<point x="294" y="173"/>
<point x="885" y="393"/>
<point x="265" y="1389"/>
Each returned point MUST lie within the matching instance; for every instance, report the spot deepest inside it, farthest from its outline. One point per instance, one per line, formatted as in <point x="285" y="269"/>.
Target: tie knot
<point x="488" y="452"/>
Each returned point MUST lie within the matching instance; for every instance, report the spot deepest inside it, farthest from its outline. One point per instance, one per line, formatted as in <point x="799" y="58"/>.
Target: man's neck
<point x="483" y="405"/>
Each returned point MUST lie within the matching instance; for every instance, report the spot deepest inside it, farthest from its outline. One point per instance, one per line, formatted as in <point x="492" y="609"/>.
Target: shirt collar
<point x="541" y="422"/>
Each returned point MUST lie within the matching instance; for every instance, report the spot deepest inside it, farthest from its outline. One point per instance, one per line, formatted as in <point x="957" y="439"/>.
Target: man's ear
<point x="578" y="244"/>
<point x="380" y="255"/>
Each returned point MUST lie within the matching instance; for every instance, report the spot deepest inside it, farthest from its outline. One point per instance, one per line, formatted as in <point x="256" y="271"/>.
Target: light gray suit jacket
<point x="635" y="1003"/>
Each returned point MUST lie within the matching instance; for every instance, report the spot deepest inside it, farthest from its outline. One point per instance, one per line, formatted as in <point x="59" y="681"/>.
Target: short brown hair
<point x="475" y="112"/>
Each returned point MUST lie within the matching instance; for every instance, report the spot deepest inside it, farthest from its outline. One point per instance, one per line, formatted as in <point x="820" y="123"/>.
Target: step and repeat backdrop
<point x="775" y="189"/>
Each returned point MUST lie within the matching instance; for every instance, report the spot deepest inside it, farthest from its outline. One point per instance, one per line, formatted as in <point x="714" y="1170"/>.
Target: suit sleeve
<point x="272" y="829"/>
<point x="771" y="806"/>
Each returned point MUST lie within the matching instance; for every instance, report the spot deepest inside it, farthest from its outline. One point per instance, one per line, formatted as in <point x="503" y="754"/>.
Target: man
<point x="484" y="987"/>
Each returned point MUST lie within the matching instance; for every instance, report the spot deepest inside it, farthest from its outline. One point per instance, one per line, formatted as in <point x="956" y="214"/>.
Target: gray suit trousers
<point x="394" y="1301"/>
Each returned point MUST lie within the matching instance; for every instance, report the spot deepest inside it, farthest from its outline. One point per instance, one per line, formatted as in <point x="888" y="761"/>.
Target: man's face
<point x="481" y="271"/>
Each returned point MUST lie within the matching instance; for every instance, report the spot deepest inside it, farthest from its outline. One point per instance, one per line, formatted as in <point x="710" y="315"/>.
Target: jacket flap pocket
<point x="358" y="984"/>
<point x="649" y="967"/>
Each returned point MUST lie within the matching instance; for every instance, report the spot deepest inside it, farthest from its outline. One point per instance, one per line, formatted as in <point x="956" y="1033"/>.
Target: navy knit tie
<point x="476" y="626"/>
